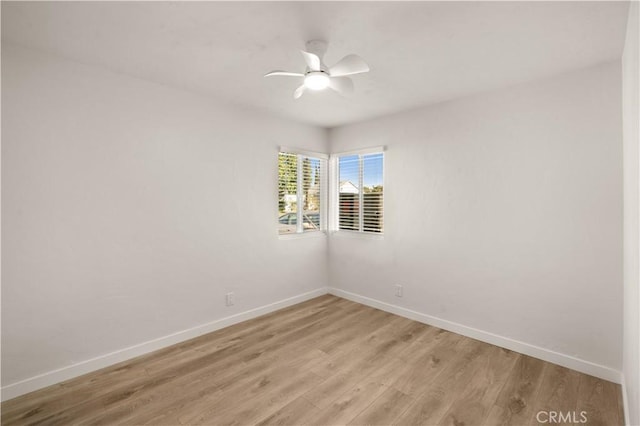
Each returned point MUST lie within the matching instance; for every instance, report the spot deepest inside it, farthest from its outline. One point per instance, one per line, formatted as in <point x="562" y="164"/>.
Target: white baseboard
<point x="573" y="363"/>
<point x="625" y="400"/>
<point x="52" y="377"/>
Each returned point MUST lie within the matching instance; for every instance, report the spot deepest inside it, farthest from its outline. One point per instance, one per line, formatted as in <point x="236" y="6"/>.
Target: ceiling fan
<point x="318" y="76"/>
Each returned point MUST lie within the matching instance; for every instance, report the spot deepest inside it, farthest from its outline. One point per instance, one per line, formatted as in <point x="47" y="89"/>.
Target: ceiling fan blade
<point x="342" y="85"/>
<point x="312" y="60"/>
<point x="299" y="91"/>
<point x="285" y="73"/>
<point x="349" y="65"/>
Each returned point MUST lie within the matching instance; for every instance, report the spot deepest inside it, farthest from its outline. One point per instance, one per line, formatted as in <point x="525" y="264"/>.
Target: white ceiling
<point x="419" y="52"/>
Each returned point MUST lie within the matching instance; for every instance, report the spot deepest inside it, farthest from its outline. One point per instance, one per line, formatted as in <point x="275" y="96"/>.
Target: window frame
<point x="323" y="211"/>
<point x="334" y="188"/>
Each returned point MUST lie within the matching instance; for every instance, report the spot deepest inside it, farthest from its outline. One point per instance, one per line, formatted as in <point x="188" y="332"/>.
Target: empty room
<point x="320" y="213"/>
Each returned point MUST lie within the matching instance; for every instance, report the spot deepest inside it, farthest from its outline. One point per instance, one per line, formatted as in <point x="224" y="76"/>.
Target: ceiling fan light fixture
<point x="318" y="76"/>
<point x="316" y="80"/>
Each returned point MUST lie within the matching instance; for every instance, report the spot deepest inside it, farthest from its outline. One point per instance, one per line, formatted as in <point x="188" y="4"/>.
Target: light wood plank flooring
<point x="327" y="361"/>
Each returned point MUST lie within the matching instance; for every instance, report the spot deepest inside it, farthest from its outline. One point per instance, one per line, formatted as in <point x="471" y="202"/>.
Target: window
<point x="301" y="192"/>
<point x="360" y="192"/>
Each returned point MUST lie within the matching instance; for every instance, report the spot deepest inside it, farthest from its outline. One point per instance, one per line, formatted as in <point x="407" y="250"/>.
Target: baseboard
<point x="625" y="400"/>
<point x="573" y="363"/>
<point x="52" y="377"/>
<point x="56" y="376"/>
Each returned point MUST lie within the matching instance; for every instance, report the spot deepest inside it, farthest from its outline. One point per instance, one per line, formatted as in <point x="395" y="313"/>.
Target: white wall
<point x="503" y="213"/>
<point x="130" y="209"/>
<point x="631" y="125"/>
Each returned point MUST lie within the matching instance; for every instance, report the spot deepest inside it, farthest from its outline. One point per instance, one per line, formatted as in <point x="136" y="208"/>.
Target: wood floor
<point x="327" y="361"/>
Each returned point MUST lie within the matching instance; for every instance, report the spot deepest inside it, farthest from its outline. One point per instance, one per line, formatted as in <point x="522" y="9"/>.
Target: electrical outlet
<point x="231" y="299"/>
<point x="398" y="290"/>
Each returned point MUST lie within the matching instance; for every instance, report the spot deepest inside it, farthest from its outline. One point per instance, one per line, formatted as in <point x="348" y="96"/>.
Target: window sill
<point x="357" y="234"/>
<point x="296" y="236"/>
